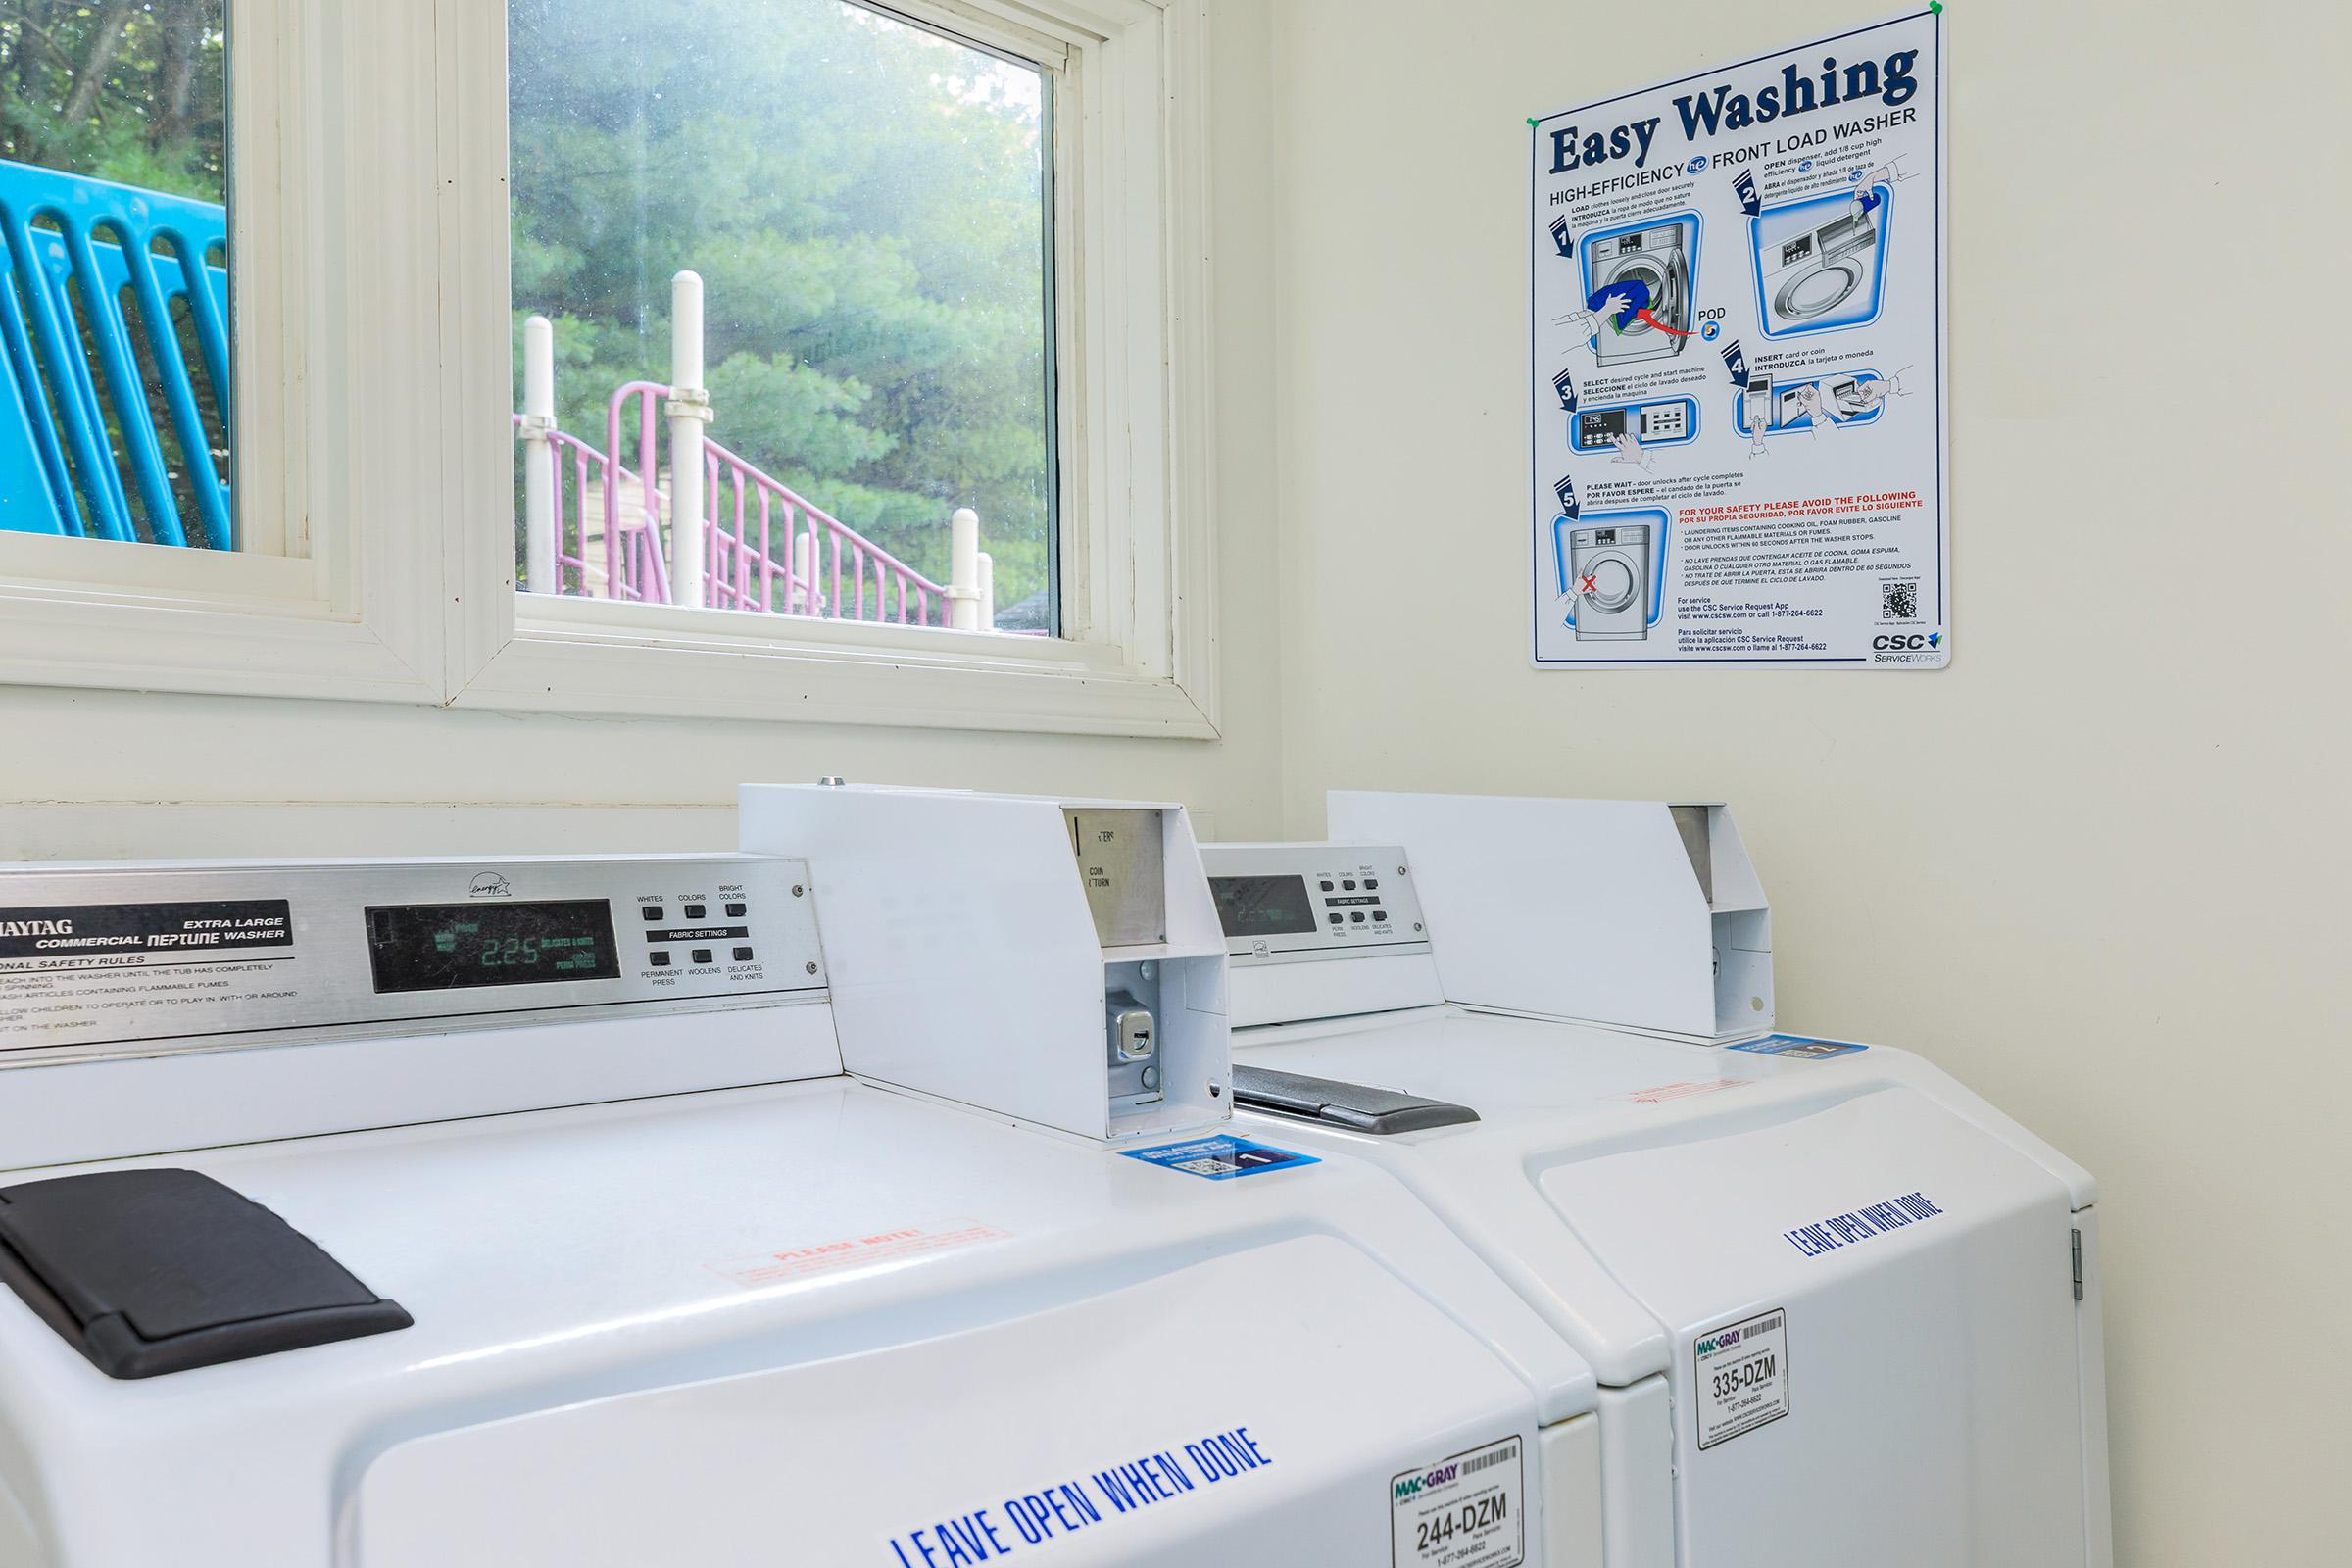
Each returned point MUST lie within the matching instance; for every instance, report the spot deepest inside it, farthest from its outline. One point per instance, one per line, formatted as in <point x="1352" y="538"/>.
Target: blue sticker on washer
<point x="1801" y="1045"/>
<point x="1220" y="1158"/>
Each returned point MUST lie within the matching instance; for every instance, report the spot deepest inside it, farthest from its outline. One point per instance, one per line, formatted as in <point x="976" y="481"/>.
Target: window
<point x="951" y="265"/>
<point x="115" y="373"/>
<point x="811" y="240"/>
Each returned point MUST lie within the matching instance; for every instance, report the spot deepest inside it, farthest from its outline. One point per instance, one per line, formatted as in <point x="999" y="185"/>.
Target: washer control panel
<point x="109" y="956"/>
<point x="1290" y="901"/>
<point x="1670" y="422"/>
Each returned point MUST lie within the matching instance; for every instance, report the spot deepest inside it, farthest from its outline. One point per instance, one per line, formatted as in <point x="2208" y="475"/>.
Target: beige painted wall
<point x="2096" y="868"/>
<point x="106" y="774"/>
<point x="2093" y="872"/>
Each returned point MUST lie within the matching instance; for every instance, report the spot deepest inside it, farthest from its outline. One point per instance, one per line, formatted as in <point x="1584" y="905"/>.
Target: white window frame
<point x="339" y="596"/>
<point x="374" y="449"/>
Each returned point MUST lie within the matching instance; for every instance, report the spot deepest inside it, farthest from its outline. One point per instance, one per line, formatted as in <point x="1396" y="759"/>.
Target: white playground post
<point x="689" y="409"/>
<point x="963" y="569"/>
<point x="539" y="478"/>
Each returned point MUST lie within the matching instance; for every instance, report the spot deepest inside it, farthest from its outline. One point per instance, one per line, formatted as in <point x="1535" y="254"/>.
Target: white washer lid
<point x="1269" y="1394"/>
<point x="1913" y="1246"/>
<point x="745" y="1245"/>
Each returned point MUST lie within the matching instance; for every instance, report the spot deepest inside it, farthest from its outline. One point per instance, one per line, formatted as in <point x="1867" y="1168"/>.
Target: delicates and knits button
<point x="742" y="954"/>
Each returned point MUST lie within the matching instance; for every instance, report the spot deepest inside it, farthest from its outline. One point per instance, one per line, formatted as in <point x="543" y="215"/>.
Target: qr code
<point x="1898" y="600"/>
<point x="1206" y="1167"/>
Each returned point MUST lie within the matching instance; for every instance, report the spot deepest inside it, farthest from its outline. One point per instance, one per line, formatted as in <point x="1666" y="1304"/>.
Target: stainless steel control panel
<point x="148" y="956"/>
<point x="1285" y="901"/>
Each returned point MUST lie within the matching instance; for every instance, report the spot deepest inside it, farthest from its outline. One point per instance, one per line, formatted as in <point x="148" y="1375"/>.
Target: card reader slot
<point x="1358" y="1108"/>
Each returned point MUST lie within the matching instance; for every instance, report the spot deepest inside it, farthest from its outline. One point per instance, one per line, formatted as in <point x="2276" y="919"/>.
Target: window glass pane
<point x="114" y="312"/>
<point x="864" y="203"/>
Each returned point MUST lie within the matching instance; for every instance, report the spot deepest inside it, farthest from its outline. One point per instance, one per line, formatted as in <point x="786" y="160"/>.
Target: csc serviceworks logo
<point x="1912" y="642"/>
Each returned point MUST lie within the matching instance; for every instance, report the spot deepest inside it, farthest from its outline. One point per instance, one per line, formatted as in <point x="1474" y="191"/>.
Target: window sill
<point x="583" y="656"/>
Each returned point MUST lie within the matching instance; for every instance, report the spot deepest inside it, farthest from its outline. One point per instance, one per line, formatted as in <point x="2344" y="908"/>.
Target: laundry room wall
<point x="2095" y="868"/>
<point x="108" y="774"/>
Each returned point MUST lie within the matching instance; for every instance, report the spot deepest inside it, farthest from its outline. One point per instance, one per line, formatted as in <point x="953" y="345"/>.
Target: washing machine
<point x="1658" y="259"/>
<point x="1820" y="271"/>
<point x="520" y="1212"/>
<point x="1843" y="1312"/>
<point x="1609" y="573"/>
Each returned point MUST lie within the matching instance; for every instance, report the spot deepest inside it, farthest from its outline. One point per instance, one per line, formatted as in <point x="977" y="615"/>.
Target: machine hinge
<point x="2078" y="1251"/>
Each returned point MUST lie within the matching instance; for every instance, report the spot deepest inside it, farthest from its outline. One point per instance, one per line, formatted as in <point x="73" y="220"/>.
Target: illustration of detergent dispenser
<point x="1820" y="271"/>
<point x="1658" y="259"/>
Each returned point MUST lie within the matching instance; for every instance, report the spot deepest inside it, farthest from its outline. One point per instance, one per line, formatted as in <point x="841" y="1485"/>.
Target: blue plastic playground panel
<point x="72" y="242"/>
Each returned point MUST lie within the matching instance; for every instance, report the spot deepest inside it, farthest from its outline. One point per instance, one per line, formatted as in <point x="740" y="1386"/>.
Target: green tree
<point x="122" y="92"/>
<point x="864" y="200"/>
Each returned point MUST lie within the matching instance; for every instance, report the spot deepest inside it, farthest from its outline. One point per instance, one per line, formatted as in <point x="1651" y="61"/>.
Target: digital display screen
<point x="1604" y="536"/>
<point x="1263" y="906"/>
<point x="1797" y="250"/>
<point x="1598" y="428"/>
<point x="455" y="946"/>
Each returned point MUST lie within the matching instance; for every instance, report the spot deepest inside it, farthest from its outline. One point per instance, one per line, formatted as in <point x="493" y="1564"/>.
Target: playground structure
<point x="115" y="299"/>
<point x="594" y="525"/>
<point x="113" y="315"/>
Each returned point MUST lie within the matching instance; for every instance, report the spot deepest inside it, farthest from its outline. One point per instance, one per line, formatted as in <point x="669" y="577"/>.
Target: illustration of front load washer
<point x="1658" y="259"/>
<point x="1817" y="271"/>
<point x="1609" y="570"/>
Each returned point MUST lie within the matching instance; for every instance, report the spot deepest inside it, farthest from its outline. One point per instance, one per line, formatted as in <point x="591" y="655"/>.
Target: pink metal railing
<point x="816" y="546"/>
<point x="765" y="547"/>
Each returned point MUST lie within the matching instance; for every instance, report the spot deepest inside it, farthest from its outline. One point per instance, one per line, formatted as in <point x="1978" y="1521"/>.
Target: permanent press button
<point x="658" y="959"/>
<point x="1335" y="917"/>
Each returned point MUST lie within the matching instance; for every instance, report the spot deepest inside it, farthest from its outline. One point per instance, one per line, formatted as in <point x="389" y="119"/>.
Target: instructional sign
<point x="1221" y="1158"/>
<point x="1804" y="1047"/>
<point x="1736" y="320"/>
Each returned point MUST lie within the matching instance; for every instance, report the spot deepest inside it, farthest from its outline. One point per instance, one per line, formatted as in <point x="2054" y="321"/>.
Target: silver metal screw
<point x="811" y="966"/>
